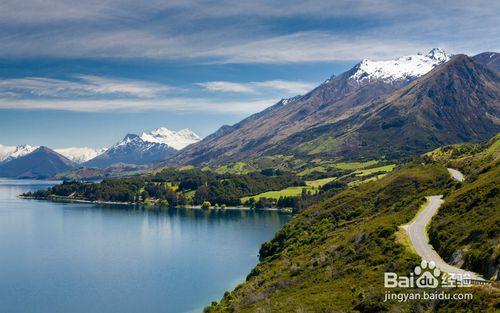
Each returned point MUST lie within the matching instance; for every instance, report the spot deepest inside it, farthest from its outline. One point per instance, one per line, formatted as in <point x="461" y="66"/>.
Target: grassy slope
<point x="466" y="230"/>
<point x="311" y="186"/>
<point x="368" y="171"/>
<point x="355" y="165"/>
<point x="332" y="256"/>
<point x="361" y="169"/>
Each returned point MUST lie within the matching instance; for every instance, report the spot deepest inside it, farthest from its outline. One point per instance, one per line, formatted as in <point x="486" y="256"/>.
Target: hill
<point x="458" y="101"/>
<point x="332" y="256"/>
<point x="41" y="163"/>
<point x="365" y="116"/>
<point x="334" y="101"/>
<point x="465" y="232"/>
<point x="147" y="148"/>
<point x="489" y="59"/>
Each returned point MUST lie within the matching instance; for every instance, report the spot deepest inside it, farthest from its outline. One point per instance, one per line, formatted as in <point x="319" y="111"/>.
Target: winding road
<point x="417" y="232"/>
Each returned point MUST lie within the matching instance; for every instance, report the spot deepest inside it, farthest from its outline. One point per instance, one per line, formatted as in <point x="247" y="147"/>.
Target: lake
<point x="77" y="257"/>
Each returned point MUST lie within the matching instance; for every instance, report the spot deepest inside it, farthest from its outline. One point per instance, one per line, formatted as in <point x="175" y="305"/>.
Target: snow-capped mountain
<point x="12" y="152"/>
<point x="153" y="146"/>
<point x="80" y="154"/>
<point x="42" y="162"/>
<point x="402" y="69"/>
<point x="175" y="139"/>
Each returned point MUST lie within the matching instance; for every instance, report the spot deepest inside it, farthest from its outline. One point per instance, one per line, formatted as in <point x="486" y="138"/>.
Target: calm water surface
<point x="73" y="257"/>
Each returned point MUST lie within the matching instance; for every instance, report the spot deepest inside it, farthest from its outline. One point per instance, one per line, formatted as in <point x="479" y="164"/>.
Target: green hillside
<point x="466" y="230"/>
<point x="331" y="257"/>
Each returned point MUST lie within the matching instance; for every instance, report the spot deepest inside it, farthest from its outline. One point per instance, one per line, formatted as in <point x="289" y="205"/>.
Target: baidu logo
<point x="425" y="275"/>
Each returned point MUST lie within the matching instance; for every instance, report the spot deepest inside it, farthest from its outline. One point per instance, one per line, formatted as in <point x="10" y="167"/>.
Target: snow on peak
<point x="12" y="152"/>
<point x="403" y="68"/>
<point x="175" y="139"/>
<point x="80" y="154"/>
<point x="438" y="55"/>
<point x="285" y="101"/>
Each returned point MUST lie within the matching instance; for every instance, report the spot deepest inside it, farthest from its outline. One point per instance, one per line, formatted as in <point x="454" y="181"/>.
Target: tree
<point x="206" y="205"/>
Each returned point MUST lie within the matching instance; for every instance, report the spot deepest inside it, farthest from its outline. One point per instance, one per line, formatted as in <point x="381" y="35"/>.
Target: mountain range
<point x="377" y="109"/>
<point x="80" y="154"/>
<point x="11" y="152"/>
<point x="388" y="109"/>
<point x="147" y="148"/>
<point x="489" y="59"/>
<point x="39" y="162"/>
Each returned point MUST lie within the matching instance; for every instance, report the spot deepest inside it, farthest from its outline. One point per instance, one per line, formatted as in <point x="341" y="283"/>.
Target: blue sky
<point x="85" y="73"/>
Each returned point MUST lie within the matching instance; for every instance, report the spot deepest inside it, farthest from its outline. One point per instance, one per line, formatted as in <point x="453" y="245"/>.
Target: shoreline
<point x="192" y="207"/>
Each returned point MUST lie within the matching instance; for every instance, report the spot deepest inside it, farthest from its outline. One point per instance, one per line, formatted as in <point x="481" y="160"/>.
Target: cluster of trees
<point x="116" y="190"/>
<point x="297" y="203"/>
<point x="176" y="187"/>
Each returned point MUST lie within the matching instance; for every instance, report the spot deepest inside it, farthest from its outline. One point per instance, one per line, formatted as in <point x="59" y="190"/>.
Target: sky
<point x="85" y="73"/>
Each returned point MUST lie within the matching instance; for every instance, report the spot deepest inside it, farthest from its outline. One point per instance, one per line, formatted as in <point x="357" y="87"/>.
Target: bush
<point x="206" y="205"/>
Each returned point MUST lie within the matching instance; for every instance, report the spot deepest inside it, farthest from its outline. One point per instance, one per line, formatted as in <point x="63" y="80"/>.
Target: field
<point x="311" y="186"/>
<point x="319" y="182"/>
<point x="234" y="168"/>
<point x="359" y="182"/>
<point x="355" y="165"/>
<point x="368" y="171"/>
<point x="361" y="170"/>
<point x="318" y="169"/>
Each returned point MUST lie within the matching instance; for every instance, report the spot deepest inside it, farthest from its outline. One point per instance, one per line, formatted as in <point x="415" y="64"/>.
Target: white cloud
<point x="228" y="87"/>
<point x="94" y="93"/>
<point x="207" y="30"/>
<point x="84" y="85"/>
<point x="290" y="87"/>
<point x="174" y="103"/>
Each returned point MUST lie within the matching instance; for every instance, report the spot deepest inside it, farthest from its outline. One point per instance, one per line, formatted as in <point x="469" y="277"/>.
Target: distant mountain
<point x="11" y="152"/>
<point x="177" y="140"/>
<point x="149" y="147"/>
<point x="41" y="163"/>
<point x="458" y="101"/>
<point x="489" y="59"/>
<point x="80" y="155"/>
<point x="337" y="99"/>
<point x="94" y="173"/>
<point x="405" y="68"/>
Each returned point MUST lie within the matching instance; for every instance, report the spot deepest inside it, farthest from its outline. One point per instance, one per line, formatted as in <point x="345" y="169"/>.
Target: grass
<point x="494" y="148"/>
<point x="469" y="218"/>
<point x="190" y="194"/>
<point x="318" y="146"/>
<point x="234" y="168"/>
<point x="403" y="239"/>
<point x="355" y="165"/>
<point x="359" y="182"/>
<point x="319" y="182"/>
<point x="332" y="256"/>
<point x="287" y="192"/>
<point x="317" y="169"/>
<point x="402" y="236"/>
<point x="368" y="171"/>
<point x="312" y="185"/>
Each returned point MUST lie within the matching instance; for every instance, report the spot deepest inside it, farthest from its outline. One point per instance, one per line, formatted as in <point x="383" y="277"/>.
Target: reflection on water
<point x="74" y="257"/>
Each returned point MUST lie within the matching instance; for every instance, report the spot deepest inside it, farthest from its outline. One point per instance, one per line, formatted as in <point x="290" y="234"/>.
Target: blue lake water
<point x="74" y="257"/>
